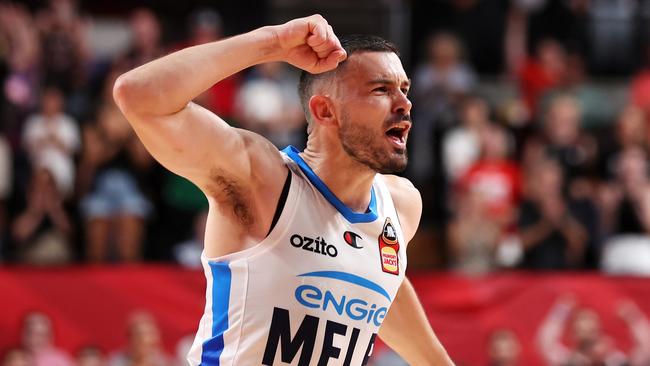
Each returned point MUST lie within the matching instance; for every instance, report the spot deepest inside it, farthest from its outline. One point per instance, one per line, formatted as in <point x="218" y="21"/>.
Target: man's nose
<point x="402" y="104"/>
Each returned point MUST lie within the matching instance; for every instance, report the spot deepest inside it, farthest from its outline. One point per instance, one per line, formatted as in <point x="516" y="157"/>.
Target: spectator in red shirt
<point x="494" y="176"/>
<point x="206" y="25"/>
<point x="542" y="73"/>
<point x="640" y="87"/>
<point x="486" y="198"/>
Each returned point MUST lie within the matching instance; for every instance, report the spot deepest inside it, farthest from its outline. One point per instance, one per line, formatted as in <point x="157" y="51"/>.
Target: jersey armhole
<point x="281" y="201"/>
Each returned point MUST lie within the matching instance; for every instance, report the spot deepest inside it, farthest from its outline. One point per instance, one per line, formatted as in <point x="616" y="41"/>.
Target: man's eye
<point x="381" y="89"/>
<point x="405" y="91"/>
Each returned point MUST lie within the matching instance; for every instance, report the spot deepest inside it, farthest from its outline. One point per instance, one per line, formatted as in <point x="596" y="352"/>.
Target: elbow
<point x="122" y="89"/>
<point x="138" y="99"/>
<point x="130" y="97"/>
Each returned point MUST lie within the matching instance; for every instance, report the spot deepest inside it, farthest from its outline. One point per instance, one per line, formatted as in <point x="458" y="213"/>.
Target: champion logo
<point x="351" y="238"/>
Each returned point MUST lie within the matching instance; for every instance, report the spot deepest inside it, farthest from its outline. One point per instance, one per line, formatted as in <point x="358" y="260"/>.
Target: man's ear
<point x="321" y="109"/>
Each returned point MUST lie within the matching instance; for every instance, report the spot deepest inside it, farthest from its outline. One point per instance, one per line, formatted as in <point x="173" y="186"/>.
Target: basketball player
<point x="305" y="252"/>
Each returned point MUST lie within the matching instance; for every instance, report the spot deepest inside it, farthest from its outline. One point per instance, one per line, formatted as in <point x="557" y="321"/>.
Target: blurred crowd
<point x="143" y="346"/>
<point x="587" y="342"/>
<point x="541" y="166"/>
<point x="76" y="184"/>
<point x="545" y="165"/>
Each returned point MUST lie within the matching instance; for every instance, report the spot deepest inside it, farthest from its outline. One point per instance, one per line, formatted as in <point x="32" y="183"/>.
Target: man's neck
<point x="349" y="180"/>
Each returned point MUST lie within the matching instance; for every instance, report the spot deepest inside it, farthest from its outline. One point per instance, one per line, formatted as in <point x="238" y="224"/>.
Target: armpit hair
<point x="230" y="194"/>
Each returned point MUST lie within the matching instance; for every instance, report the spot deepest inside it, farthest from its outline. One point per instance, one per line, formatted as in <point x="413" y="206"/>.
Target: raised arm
<point x="240" y="172"/>
<point x="639" y="328"/>
<point x="188" y="139"/>
<point x="550" y="332"/>
<point x="406" y="328"/>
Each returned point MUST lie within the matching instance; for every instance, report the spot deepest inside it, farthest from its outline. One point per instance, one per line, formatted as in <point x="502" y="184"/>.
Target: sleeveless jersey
<point x="314" y="292"/>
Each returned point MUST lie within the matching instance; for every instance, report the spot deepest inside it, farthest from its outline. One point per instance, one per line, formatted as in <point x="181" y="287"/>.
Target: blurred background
<point x="530" y="147"/>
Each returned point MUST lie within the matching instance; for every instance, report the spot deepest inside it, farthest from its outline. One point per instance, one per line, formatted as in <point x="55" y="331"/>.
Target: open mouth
<point x="397" y="134"/>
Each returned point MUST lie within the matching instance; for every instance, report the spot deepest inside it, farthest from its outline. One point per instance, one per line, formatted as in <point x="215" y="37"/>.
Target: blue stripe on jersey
<point x="351" y="278"/>
<point x="221" y="282"/>
<point x="351" y="216"/>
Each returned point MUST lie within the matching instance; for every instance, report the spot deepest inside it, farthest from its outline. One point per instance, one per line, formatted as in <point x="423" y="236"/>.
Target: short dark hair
<point x="354" y="43"/>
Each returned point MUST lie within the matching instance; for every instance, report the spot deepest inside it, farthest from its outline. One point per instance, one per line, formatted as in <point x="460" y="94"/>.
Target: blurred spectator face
<point x="63" y="10"/>
<point x="586" y="329"/>
<point x="494" y="143"/>
<point x="146" y="29"/>
<point x="90" y="356"/>
<point x="444" y="50"/>
<point x="563" y="120"/>
<point x="504" y="348"/>
<point x="206" y="26"/>
<point x="144" y="335"/>
<point x="545" y="177"/>
<point x="575" y="69"/>
<point x="17" y="357"/>
<point x="475" y="112"/>
<point x="632" y="126"/>
<point x="552" y="57"/>
<point x="37" y="331"/>
<point x="633" y="167"/>
<point x="52" y="102"/>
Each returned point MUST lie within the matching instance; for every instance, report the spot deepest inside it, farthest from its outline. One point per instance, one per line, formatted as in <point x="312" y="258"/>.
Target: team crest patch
<point x="388" y="248"/>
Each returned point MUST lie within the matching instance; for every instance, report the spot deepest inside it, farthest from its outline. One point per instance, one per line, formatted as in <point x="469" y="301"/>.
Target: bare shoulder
<point x="244" y="197"/>
<point x="257" y="165"/>
<point x="266" y="160"/>
<point x="401" y="186"/>
<point x="408" y="203"/>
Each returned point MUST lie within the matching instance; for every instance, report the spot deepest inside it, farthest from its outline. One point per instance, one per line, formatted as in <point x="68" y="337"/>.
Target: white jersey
<point x="314" y="291"/>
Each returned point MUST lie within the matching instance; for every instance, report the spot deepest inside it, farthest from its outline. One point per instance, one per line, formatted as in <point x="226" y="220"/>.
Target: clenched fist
<point x="309" y="44"/>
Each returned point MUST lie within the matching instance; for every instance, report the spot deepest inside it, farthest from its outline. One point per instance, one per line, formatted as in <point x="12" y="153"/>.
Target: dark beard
<point x="361" y="144"/>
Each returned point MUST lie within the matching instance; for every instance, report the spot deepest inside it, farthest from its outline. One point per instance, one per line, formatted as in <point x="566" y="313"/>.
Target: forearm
<point x="26" y="224"/>
<point x="576" y="237"/>
<point x="406" y="330"/>
<point x="60" y="220"/>
<point x="640" y="331"/>
<point x="535" y="233"/>
<point x="166" y="85"/>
